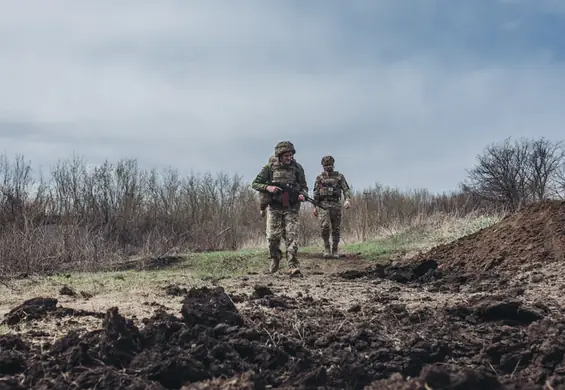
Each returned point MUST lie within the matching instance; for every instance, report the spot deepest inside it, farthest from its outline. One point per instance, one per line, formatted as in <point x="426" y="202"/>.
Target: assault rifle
<point x="315" y="203"/>
<point x="290" y="195"/>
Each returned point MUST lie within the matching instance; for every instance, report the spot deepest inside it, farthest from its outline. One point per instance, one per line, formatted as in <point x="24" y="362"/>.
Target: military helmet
<point x="328" y="160"/>
<point x="284" y="147"/>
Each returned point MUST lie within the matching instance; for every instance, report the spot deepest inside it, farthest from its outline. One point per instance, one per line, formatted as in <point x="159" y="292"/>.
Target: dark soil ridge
<point x="428" y="274"/>
<point x="485" y="259"/>
<point x="213" y="345"/>
<point x="534" y="234"/>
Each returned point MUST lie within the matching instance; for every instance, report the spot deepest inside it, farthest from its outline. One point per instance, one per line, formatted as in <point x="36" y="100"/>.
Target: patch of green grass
<point x="377" y="249"/>
<point x="223" y="264"/>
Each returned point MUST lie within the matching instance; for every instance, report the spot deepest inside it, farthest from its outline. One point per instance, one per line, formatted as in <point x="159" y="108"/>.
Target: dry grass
<point x="85" y="219"/>
<point x="421" y="234"/>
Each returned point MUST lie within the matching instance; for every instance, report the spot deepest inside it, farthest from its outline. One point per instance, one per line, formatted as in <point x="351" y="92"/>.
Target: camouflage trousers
<point x="330" y="222"/>
<point x="282" y="224"/>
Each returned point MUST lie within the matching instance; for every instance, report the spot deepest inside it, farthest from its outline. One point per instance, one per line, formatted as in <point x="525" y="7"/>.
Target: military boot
<point x="335" y="250"/>
<point x="293" y="264"/>
<point x="327" y="249"/>
<point x="275" y="261"/>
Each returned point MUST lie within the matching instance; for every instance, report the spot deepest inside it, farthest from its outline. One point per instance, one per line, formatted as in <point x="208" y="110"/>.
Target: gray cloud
<point x="405" y="95"/>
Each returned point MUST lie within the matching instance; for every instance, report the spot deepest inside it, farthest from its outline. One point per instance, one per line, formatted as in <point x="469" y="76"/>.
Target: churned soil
<point x="449" y="319"/>
<point x="278" y="341"/>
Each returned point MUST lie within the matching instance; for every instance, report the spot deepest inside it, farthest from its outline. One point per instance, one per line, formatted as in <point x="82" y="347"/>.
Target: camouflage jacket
<point x="330" y="187"/>
<point x="274" y="173"/>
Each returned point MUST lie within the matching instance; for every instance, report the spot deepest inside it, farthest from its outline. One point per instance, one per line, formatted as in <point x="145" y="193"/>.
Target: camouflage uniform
<point x="328" y="190"/>
<point x="282" y="211"/>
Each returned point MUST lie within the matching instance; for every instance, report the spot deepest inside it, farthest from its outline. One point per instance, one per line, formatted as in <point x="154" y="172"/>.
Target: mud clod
<point x="260" y="291"/>
<point x="66" y="290"/>
<point x="175" y="290"/>
<point x="509" y="312"/>
<point x="209" y="307"/>
<point x="422" y="271"/>
<point x="38" y="308"/>
<point x="32" y="309"/>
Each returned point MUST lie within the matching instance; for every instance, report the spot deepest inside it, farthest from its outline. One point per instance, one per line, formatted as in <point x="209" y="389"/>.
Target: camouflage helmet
<point x="284" y="147"/>
<point x="328" y="160"/>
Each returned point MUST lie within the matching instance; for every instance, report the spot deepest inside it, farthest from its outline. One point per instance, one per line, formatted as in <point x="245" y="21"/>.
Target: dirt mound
<point x="37" y="308"/>
<point x="534" y="234"/>
<point x="491" y="342"/>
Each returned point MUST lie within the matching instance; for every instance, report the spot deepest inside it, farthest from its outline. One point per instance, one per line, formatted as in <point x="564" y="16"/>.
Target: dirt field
<point x="484" y="312"/>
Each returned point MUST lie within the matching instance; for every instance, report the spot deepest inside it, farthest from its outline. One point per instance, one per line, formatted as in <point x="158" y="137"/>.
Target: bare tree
<point x="546" y="158"/>
<point x="501" y="174"/>
<point x="513" y="173"/>
<point x="560" y="181"/>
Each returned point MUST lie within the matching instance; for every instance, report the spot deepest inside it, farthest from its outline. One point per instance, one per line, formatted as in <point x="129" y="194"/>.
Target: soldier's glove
<point x="315" y="212"/>
<point x="347" y="204"/>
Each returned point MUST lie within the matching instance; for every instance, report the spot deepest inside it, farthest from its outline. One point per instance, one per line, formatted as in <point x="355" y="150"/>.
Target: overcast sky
<point x="401" y="92"/>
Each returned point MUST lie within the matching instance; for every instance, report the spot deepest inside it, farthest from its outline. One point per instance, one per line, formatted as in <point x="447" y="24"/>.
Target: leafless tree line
<point x="84" y="217"/>
<point x="517" y="172"/>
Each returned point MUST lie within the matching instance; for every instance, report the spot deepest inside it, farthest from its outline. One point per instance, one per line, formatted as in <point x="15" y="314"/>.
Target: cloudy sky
<point x="402" y="92"/>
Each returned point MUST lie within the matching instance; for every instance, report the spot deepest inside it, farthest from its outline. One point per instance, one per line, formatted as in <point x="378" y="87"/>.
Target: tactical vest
<point x="285" y="177"/>
<point x="329" y="187"/>
<point x="283" y="174"/>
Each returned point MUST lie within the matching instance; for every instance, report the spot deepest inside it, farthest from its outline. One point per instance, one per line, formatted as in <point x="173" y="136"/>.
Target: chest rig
<point x="329" y="187"/>
<point x="284" y="176"/>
